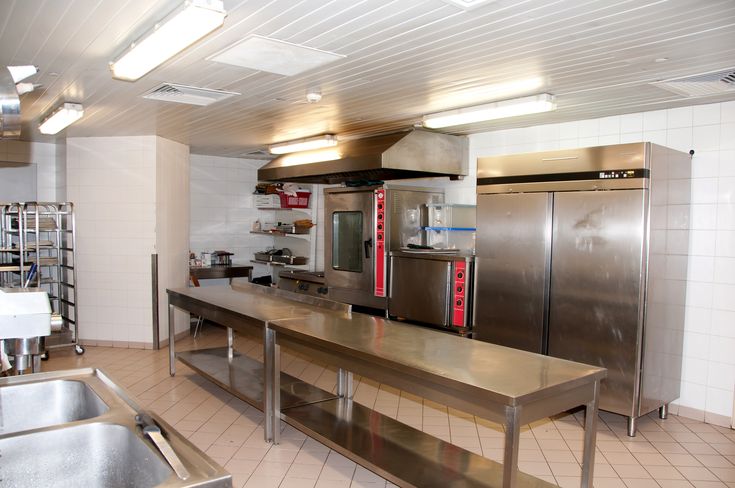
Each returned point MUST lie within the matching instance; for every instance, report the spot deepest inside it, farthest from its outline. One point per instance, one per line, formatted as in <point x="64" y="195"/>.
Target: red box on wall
<point x="300" y="200"/>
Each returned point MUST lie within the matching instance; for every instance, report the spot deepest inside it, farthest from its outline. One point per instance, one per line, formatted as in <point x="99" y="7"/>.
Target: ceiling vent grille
<point x="259" y="154"/>
<point x="190" y="95"/>
<point x="703" y="85"/>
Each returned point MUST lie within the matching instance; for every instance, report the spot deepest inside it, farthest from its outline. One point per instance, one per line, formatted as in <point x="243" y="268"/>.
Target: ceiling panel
<point x="404" y="58"/>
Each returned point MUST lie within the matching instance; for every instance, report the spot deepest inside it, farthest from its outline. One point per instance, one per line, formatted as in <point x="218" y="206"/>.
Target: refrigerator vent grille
<point x="190" y="95"/>
<point x="701" y="85"/>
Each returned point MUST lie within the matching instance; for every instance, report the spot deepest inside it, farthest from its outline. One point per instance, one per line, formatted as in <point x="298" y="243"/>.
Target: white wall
<point x="172" y="227"/>
<point x="222" y="209"/>
<point x="112" y="182"/>
<point x="28" y="172"/>
<point x="709" y="337"/>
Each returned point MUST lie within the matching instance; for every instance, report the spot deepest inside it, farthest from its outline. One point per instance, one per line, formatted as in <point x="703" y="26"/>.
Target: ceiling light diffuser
<point x="328" y="140"/>
<point x="274" y="56"/>
<point x="468" y="4"/>
<point x="491" y="111"/>
<point x="189" y="23"/>
<point x="62" y="117"/>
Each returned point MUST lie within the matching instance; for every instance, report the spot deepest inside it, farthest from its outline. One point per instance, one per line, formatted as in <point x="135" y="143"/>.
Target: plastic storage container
<point x="444" y="238"/>
<point x="451" y="216"/>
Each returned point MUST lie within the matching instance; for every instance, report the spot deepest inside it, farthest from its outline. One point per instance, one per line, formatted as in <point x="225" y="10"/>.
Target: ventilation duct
<point x="708" y="84"/>
<point x="190" y="95"/>
<point x="9" y="106"/>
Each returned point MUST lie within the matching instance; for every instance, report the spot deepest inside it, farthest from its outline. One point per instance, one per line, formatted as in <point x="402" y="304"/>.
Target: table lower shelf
<point x="403" y="455"/>
<point x="394" y="450"/>
<point x="243" y="377"/>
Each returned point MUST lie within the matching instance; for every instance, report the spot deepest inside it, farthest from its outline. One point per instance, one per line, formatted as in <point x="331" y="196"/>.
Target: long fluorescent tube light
<point x="328" y="140"/>
<point x="62" y="117"/>
<point x="490" y="111"/>
<point x="189" y="23"/>
<point x="311" y="157"/>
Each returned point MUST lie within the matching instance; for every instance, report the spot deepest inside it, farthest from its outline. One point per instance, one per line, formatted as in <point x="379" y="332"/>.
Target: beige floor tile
<point x="661" y="455"/>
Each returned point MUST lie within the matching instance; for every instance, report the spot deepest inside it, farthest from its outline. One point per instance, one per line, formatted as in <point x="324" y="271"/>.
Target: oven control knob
<point x="460" y="275"/>
<point x="380" y="237"/>
<point x="380" y="206"/>
<point x="460" y="289"/>
<point x="459" y="302"/>
<point x="380" y="226"/>
<point x="380" y="216"/>
<point x="380" y="194"/>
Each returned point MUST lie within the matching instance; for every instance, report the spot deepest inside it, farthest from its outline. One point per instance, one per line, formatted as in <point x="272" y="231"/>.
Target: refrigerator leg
<point x="663" y="411"/>
<point x="631" y="426"/>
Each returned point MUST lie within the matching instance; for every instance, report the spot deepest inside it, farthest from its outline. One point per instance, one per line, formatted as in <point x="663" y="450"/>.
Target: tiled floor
<point x="675" y="453"/>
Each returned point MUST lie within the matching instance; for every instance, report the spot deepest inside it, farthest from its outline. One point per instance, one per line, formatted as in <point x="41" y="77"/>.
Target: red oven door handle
<point x="368" y="244"/>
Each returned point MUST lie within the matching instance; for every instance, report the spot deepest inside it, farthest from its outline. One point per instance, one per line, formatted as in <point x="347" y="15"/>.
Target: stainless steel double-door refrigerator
<point x="582" y="255"/>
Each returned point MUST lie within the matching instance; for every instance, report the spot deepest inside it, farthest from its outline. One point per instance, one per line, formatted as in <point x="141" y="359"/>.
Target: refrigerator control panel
<point x="460" y="294"/>
<point x="618" y="174"/>
<point x="380" y="258"/>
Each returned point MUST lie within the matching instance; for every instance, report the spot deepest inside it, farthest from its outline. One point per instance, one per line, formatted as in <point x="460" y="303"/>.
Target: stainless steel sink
<point x="35" y="405"/>
<point x="93" y="454"/>
<point x="78" y="428"/>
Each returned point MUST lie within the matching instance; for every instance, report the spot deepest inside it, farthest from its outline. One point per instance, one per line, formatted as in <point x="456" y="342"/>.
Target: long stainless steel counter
<point x="502" y="384"/>
<point x="248" y="309"/>
<point x="510" y="386"/>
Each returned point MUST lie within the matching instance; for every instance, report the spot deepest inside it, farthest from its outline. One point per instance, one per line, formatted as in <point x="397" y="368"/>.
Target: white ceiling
<point x="403" y="59"/>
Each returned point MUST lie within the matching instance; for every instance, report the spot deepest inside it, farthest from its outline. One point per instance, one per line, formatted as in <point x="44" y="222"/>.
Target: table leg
<point x="230" y="343"/>
<point x="271" y="386"/>
<point x="512" y="439"/>
<point x="171" y="341"/>
<point x="590" y="435"/>
<point x="344" y="384"/>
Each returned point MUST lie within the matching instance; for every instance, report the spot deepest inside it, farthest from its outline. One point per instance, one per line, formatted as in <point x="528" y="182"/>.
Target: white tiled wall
<point x="28" y="172"/>
<point x="222" y="209"/>
<point x="172" y="227"/>
<point x="112" y="182"/>
<point x="709" y="341"/>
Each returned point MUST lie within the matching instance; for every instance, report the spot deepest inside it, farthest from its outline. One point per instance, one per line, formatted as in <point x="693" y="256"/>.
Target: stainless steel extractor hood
<point x="9" y="106"/>
<point x="410" y="154"/>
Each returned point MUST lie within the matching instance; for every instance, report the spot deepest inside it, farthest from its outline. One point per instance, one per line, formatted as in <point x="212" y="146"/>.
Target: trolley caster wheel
<point x="79" y="350"/>
<point x="44" y="356"/>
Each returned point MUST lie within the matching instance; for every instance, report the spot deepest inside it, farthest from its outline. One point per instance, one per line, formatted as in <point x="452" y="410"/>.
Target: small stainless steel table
<point x="246" y="308"/>
<point x="505" y="385"/>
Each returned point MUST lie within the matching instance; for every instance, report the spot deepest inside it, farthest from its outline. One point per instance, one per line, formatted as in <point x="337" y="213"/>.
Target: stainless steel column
<point x="590" y="438"/>
<point x="271" y="386"/>
<point x="154" y="301"/>
<point x="171" y="341"/>
<point x="344" y="384"/>
<point x="512" y="440"/>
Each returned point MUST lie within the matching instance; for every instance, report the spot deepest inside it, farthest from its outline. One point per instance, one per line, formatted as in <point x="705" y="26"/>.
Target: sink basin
<point x="36" y="405"/>
<point x="94" y="454"/>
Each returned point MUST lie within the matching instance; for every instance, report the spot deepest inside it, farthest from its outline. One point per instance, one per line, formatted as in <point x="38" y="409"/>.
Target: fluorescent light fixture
<point x="320" y="155"/>
<point x="20" y="73"/>
<point x="187" y="24"/>
<point x="62" y="117"/>
<point x="491" y="111"/>
<point x="327" y="140"/>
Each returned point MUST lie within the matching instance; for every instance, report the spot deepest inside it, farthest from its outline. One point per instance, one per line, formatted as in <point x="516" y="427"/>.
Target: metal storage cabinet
<point x="582" y="255"/>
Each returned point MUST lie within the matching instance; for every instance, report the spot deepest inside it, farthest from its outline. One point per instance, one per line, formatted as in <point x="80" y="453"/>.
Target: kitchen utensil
<point x="152" y="430"/>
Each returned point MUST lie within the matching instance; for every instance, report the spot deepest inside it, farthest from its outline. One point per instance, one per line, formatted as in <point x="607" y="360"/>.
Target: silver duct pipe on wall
<point x="9" y="106"/>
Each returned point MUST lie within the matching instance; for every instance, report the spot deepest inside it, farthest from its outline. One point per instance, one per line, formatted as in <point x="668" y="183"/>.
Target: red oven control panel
<point x="459" y="294"/>
<point x="379" y="234"/>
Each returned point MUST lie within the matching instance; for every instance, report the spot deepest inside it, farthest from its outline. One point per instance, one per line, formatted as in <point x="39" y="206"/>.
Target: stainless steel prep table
<point x="506" y="385"/>
<point x="247" y="308"/>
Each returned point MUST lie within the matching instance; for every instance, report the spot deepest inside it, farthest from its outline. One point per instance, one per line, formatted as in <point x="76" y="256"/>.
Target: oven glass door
<point x="350" y="248"/>
<point x="347" y="241"/>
